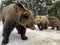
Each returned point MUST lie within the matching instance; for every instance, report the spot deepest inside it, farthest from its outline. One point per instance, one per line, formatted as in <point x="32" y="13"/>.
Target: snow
<point x="35" y="37"/>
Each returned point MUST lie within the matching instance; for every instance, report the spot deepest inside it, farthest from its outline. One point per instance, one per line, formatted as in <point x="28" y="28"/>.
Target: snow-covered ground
<point x="35" y="37"/>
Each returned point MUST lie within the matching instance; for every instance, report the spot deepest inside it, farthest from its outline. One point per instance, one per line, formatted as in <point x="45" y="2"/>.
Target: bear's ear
<point x="35" y="17"/>
<point x="20" y="5"/>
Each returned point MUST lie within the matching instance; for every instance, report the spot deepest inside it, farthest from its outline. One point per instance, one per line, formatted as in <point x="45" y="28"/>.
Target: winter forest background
<point x="35" y="37"/>
<point x="38" y="7"/>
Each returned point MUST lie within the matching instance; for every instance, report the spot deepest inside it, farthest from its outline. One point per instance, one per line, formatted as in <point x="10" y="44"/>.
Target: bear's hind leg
<point x="58" y="28"/>
<point x="53" y="27"/>
<point x="22" y="30"/>
<point x="8" y="27"/>
<point x="45" y="27"/>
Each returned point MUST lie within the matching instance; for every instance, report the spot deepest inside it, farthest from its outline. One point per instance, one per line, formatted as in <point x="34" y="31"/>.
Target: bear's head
<point x="27" y="20"/>
<point x="38" y="20"/>
<point x="26" y="16"/>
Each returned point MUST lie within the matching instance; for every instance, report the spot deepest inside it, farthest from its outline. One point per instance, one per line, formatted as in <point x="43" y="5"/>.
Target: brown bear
<point x="16" y="15"/>
<point x="54" y="22"/>
<point x="41" y="21"/>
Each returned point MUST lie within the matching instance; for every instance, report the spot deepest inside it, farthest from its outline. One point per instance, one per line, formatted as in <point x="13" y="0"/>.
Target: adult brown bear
<point x="54" y="22"/>
<point x="41" y="21"/>
<point x="16" y="15"/>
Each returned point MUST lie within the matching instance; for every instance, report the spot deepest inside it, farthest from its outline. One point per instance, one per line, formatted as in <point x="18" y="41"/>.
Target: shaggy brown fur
<point x="42" y="22"/>
<point x="16" y="15"/>
<point x="54" y="22"/>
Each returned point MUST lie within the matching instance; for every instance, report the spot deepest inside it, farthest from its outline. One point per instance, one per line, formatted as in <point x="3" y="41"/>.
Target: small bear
<point x="54" y="22"/>
<point x="41" y="21"/>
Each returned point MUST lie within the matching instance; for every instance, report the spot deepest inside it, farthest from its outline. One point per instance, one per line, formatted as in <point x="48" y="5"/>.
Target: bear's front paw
<point x="24" y="37"/>
<point x="4" y="42"/>
<point x="41" y="29"/>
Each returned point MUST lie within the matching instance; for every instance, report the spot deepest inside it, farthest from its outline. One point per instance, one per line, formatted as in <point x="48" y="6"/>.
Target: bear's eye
<point x="39" y="17"/>
<point x="25" y="16"/>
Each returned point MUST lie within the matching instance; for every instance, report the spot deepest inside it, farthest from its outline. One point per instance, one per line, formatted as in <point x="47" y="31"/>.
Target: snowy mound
<point x="34" y="37"/>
